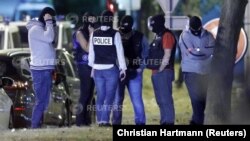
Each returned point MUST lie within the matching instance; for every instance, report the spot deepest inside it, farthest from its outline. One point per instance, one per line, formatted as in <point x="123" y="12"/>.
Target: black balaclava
<point x="157" y="23"/>
<point x="126" y="24"/>
<point x="195" y="25"/>
<point x="47" y="10"/>
<point x="107" y="18"/>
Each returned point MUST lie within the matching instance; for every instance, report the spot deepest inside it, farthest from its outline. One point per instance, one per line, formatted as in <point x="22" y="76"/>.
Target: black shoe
<point x="165" y="123"/>
<point x="194" y="123"/>
<point x="140" y="124"/>
<point x="105" y="125"/>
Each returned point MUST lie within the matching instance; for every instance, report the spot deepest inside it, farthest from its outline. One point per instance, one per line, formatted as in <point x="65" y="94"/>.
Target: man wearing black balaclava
<point x="41" y="36"/>
<point x="106" y="57"/>
<point x="196" y="46"/>
<point x="161" y="61"/>
<point x="135" y="47"/>
<point x="80" y="52"/>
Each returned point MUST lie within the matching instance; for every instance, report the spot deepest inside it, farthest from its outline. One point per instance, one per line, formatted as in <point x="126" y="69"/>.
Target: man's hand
<point x="122" y="75"/>
<point x="92" y="73"/>
<point x="91" y="29"/>
<point x="47" y="17"/>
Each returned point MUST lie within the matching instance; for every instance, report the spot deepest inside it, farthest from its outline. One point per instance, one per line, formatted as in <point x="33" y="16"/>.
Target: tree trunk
<point x="218" y="106"/>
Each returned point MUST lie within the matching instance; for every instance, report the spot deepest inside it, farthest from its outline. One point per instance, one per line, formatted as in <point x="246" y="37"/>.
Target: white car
<point x="8" y="36"/>
<point x="15" y="35"/>
<point x="5" y="103"/>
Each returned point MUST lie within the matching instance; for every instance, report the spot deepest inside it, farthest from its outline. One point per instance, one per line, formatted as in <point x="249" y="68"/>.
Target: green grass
<point x="181" y="102"/>
<point x="94" y="133"/>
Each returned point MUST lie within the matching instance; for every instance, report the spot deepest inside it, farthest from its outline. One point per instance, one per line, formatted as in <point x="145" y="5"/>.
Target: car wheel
<point x="68" y="121"/>
<point x="66" y="115"/>
<point x="11" y="122"/>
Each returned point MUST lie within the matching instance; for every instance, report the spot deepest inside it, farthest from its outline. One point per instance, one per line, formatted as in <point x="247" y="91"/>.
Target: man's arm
<point x="165" y="60"/>
<point x="120" y="52"/>
<point x="168" y="43"/>
<point x="120" y="56"/>
<point x="91" y="56"/>
<point x="47" y="35"/>
<point x="144" y="53"/>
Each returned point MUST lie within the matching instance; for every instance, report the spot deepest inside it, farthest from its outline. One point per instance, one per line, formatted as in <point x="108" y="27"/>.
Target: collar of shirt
<point x="105" y="28"/>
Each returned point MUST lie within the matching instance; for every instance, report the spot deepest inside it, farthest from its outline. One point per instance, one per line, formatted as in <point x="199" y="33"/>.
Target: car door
<point x="73" y="82"/>
<point x="5" y="105"/>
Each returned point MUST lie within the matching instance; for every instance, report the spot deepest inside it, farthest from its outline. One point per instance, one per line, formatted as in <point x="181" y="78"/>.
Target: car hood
<point x="32" y="23"/>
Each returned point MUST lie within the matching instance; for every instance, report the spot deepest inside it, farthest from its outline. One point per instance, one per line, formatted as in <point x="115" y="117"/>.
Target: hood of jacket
<point x="34" y="22"/>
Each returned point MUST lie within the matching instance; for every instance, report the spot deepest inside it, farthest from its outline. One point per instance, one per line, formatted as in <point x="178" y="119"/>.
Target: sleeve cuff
<point x="49" y="21"/>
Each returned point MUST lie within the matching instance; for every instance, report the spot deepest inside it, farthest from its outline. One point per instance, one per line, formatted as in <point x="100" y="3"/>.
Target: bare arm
<point x="82" y="41"/>
<point x="165" y="60"/>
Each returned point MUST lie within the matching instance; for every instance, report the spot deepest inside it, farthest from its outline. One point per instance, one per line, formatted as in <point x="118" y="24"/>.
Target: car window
<point x="56" y="36"/>
<point x="8" y="70"/>
<point x="3" y="68"/>
<point x="1" y="39"/>
<point x="67" y="37"/>
<point x="66" y="66"/>
<point x="72" y="62"/>
<point x="16" y="40"/>
<point x="32" y="13"/>
<point x="23" y="33"/>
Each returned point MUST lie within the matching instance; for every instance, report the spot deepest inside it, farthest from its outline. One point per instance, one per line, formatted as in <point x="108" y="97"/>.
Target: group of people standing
<point x="110" y="60"/>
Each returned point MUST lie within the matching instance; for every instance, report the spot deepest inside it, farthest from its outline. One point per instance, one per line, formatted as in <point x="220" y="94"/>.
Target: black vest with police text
<point x="104" y="47"/>
<point x="133" y="49"/>
<point x="156" y="53"/>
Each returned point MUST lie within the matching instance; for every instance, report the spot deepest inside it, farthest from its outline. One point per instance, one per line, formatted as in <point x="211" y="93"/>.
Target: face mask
<point x="126" y="28"/>
<point x="196" y="32"/>
<point x="157" y="28"/>
<point x="107" y="18"/>
<point x="195" y="25"/>
<point x="157" y="23"/>
<point x="126" y="24"/>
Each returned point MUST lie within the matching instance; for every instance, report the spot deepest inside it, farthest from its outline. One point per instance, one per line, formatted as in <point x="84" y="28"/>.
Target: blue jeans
<point x="197" y="88"/>
<point x="106" y="82"/>
<point x="134" y="86"/>
<point x="86" y="95"/>
<point x="42" y="84"/>
<point x="162" y="83"/>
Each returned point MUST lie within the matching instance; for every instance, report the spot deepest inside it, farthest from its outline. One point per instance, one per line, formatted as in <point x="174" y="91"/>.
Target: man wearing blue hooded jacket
<point x="197" y="46"/>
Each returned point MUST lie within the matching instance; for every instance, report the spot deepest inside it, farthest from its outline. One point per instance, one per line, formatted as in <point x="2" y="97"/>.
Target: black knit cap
<point x="159" y="19"/>
<point x="126" y="24"/>
<point x="195" y="23"/>
<point x="107" y="18"/>
<point x="158" y="23"/>
<point x="46" y="10"/>
<point x="128" y="20"/>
